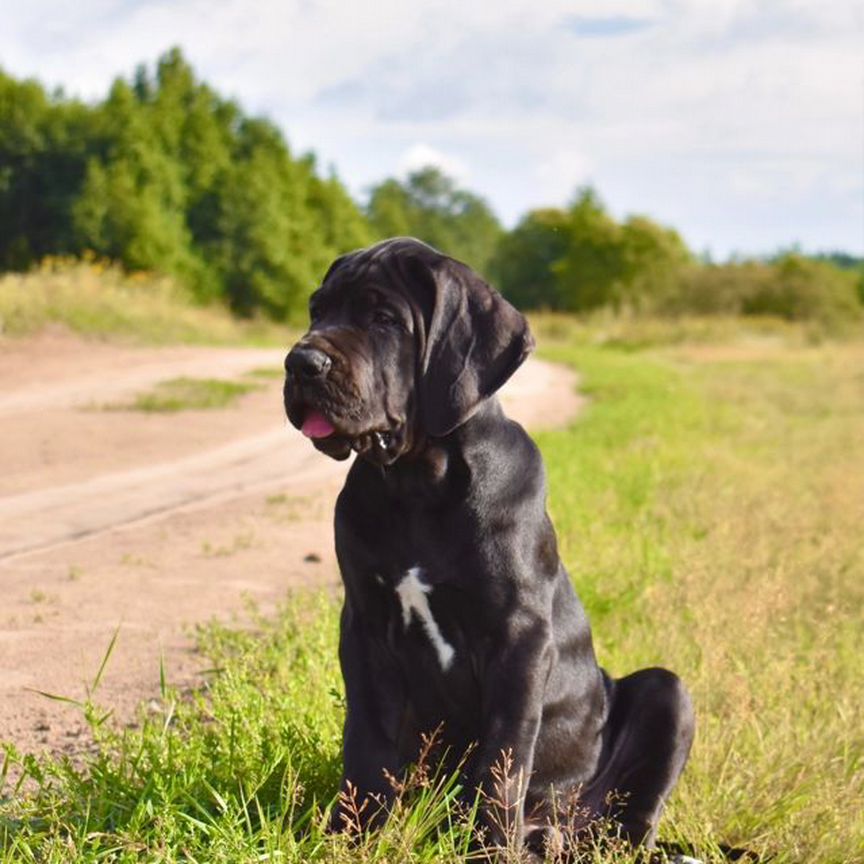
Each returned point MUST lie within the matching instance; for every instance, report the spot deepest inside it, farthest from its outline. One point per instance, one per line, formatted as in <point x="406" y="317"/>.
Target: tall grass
<point x="96" y="299"/>
<point x="709" y="505"/>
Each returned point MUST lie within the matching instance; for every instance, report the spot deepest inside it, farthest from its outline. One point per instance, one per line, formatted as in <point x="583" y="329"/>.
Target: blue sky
<point x="739" y="122"/>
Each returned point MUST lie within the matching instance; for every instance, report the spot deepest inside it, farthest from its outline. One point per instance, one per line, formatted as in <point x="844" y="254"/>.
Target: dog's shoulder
<point x="504" y="460"/>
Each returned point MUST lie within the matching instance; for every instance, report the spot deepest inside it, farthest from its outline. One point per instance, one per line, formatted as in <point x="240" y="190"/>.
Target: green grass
<point x="186" y="394"/>
<point x="98" y="300"/>
<point x="709" y="505"/>
<point x="266" y="372"/>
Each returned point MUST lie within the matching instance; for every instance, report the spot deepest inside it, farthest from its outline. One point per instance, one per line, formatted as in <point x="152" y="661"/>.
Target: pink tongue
<point x="316" y="425"/>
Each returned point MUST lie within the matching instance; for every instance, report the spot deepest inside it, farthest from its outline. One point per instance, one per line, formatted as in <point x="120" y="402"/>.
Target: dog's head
<point x="404" y="344"/>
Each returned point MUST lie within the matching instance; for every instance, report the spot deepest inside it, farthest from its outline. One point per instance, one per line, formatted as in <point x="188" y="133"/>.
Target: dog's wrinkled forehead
<point x="400" y="269"/>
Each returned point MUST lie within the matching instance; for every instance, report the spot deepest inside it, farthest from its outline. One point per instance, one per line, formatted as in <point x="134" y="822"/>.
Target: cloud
<point x="701" y="112"/>
<point x="419" y="156"/>
<point x="601" y="27"/>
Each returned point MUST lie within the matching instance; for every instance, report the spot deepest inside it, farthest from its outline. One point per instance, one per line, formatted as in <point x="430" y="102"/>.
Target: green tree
<point x="265" y="231"/>
<point x="45" y="142"/>
<point x="279" y="224"/>
<point x="581" y="258"/>
<point x="655" y="261"/>
<point x="593" y="270"/>
<point x="132" y="205"/>
<point x="430" y="206"/>
<point x="186" y="184"/>
<point x="526" y="258"/>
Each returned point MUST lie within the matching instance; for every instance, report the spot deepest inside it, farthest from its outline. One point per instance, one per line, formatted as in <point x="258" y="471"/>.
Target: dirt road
<point x="152" y="522"/>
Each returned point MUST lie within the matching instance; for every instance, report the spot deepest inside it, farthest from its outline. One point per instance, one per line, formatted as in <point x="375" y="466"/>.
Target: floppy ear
<point x="475" y="341"/>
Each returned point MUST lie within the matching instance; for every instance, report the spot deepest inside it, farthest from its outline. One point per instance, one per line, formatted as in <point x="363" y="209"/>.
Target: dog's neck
<point x="439" y="466"/>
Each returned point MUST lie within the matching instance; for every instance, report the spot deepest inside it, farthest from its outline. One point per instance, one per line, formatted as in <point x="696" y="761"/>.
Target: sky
<point x="738" y="122"/>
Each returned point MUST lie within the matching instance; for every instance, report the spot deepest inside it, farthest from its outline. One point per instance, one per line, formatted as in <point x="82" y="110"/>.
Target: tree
<point x="526" y="258"/>
<point x="655" y="260"/>
<point x="166" y="175"/>
<point x="593" y="269"/>
<point x="45" y="143"/>
<point x="581" y="259"/>
<point x="430" y="206"/>
<point x="132" y="204"/>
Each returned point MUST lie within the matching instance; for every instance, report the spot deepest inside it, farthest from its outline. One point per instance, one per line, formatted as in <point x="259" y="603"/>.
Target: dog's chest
<point x="413" y="595"/>
<point x="423" y="622"/>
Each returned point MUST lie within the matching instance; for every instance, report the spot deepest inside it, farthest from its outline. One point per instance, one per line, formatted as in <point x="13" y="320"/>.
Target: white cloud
<point x="422" y="156"/>
<point x="559" y="173"/>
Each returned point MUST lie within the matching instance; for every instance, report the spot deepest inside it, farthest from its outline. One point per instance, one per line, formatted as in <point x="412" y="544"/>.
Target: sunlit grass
<point x="635" y="332"/>
<point x="709" y="505"/>
<point x="186" y="394"/>
<point x="266" y="372"/>
<point x="97" y="300"/>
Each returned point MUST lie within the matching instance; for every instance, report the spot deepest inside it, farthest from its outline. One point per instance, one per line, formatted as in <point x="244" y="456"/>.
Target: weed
<point x="130" y="560"/>
<point x="290" y="508"/>
<point x="238" y="544"/>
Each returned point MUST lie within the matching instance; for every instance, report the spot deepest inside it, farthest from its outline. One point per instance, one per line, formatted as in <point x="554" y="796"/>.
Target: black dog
<point x="458" y="612"/>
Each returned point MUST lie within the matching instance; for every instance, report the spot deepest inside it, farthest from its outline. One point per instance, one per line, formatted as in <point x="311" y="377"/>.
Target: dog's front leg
<point x="513" y="695"/>
<point x="375" y="701"/>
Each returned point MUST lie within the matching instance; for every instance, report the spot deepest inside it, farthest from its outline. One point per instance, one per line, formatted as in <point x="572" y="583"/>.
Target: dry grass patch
<point x="96" y="299"/>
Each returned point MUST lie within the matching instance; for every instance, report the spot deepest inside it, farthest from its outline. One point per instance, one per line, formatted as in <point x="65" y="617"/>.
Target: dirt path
<point x="153" y="522"/>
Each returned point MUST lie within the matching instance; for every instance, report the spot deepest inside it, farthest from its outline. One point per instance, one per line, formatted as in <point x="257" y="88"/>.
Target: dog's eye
<point x="384" y="317"/>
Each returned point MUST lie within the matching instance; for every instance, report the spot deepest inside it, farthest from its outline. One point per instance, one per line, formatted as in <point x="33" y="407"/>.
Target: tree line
<point x="167" y="175"/>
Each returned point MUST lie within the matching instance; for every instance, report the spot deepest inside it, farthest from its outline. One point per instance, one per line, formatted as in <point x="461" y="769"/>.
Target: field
<point x="709" y="502"/>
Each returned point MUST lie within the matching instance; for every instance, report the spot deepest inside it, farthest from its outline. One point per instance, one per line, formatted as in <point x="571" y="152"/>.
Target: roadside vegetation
<point x="708" y="503"/>
<point x="167" y="176"/>
<point x="97" y="300"/>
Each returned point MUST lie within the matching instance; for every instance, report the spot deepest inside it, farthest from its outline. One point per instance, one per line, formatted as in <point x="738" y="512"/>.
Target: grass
<point x="709" y="505"/>
<point x="266" y="372"/>
<point x="238" y="544"/>
<point x="186" y="394"/>
<point x="98" y="300"/>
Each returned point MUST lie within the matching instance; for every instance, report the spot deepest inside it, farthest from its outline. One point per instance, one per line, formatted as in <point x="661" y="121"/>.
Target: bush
<point x="793" y="287"/>
<point x="801" y="289"/>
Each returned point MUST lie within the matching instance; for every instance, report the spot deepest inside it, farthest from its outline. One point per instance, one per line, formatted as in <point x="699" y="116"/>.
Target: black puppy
<point x="458" y="612"/>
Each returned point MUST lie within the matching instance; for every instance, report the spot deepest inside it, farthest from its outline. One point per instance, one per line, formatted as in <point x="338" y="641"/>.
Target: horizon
<point x="729" y="122"/>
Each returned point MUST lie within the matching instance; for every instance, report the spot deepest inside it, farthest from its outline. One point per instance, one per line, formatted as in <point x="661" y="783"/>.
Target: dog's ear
<point x="475" y="341"/>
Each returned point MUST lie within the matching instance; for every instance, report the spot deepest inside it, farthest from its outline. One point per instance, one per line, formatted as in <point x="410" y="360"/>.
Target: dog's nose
<point x="308" y="362"/>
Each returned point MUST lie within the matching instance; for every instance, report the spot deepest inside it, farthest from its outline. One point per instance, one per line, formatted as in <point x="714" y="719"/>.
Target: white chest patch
<point x="413" y="593"/>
